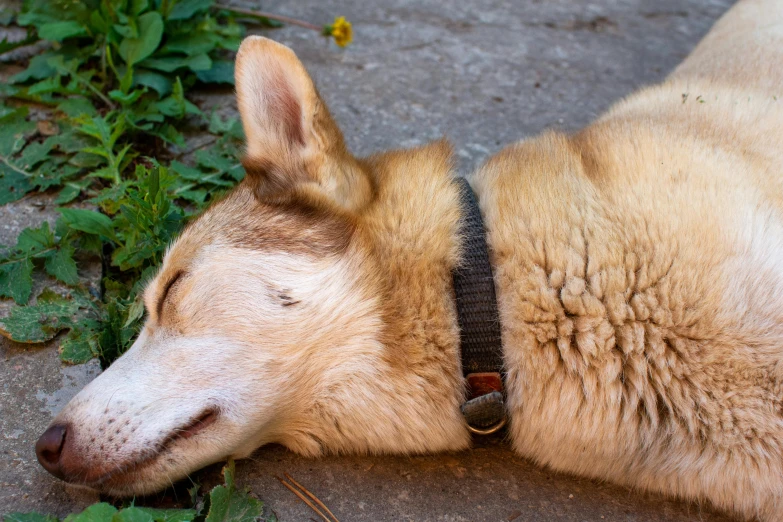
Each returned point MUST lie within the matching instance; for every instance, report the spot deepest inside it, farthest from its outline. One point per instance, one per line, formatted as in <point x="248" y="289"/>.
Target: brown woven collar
<point x="479" y="321"/>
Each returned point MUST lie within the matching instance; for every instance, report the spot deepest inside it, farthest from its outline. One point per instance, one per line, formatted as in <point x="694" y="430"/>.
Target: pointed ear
<point x="294" y="148"/>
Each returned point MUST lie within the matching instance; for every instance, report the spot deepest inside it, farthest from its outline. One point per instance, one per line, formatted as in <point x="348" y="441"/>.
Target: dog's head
<point x="264" y="323"/>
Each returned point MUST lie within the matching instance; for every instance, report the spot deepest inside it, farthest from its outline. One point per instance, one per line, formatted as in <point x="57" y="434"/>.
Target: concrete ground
<point x="483" y="73"/>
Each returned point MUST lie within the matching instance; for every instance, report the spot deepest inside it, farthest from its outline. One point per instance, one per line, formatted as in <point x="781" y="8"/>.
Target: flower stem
<point x="271" y="16"/>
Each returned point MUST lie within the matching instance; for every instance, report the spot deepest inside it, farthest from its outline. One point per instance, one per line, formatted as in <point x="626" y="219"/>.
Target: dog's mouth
<point x="201" y="422"/>
<point x="123" y="475"/>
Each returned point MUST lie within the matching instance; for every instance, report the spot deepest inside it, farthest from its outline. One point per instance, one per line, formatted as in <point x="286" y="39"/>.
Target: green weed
<point x="224" y="503"/>
<point x="98" y="119"/>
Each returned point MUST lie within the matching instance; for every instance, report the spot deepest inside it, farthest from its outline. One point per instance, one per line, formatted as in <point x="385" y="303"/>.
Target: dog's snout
<point x="49" y="449"/>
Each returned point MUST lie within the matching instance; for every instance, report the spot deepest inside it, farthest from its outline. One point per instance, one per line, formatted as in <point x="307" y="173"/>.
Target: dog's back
<point x="744" y="49"/>
<point x="639" y="266"/>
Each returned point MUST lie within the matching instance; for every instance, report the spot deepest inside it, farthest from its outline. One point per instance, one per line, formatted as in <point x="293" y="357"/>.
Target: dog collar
<point x="479" y="322"/>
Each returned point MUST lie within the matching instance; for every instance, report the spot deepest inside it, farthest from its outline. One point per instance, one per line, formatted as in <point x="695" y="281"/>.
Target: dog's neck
<point x="409" y="400"/>
<point x="413" y="230"/>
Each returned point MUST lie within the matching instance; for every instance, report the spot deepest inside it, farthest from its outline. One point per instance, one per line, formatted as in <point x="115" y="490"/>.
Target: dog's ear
<point x="294" y="148"/>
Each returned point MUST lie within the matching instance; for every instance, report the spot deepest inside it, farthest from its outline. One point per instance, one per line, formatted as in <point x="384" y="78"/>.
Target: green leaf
<point x="230" y="126"/>
<point x="7" y="45"/>
<point x="185" y="9"/>
<point x="171" y="107"/>
<point x="222" y="71"/>
<point x="16" y="271"/>
<point x="77" y="106"/>
<point x="170" y="134"/>
<point x="8" y="112"/>
<point x="69" y="192"/>
<point x="153" y="184"/>
<point x="86" y="159"/>
<point x="88" y="221"/>
<point x="169" y="515"/>
<point x="59" y="31"/>
<point x="187" y="172"/>
<point x="150" y="27"/>
<point x="162" y="84"/>
<point x="196" y="196"/>
<point x="35" y="153"/>
<point x="105" y="513"/>
<point x="199" y="62"/>
<point x="126" y="98"/>
<point x="29" y="517"/>
<point x="13" y="136"/>
<point x="132" y="514"/>
<point x="52" y="173"/>
<point x="109" y="199"/>
<point x="34" y="18"/>
<point x="102" y="512"/>
<point x="40" y="322"/>
<point x="135" y="311"/>
<point x="175" y="105"/>
<point x="211" y="158"/>
<point x="40" y="12"/>
<point x="45" y="86"/>
<point x="13" y="183"/>
<point x="70" y="140"/>
<point x="79" y="347"/>
<point x="33" y="240"/>
<point x="98" y="23"/>
<point x="190" y="43"/>
<point x="7" y="15"/>
<point x="126" y="31"/>
<point x="62" y="266"/>
<point x="16" y="280"/>
<point x="38" y="69"/>
<point x="7" y="90"/>
<point x="138" y="6"/>
<point x="227" y="504"/>
<point x="96" y="127"/>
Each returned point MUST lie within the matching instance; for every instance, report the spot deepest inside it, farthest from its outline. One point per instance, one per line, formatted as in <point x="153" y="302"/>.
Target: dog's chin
<point x="143" y="480"/>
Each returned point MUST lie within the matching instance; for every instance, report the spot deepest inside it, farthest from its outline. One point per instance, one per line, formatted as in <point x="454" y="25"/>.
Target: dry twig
<point x="307" y="499"/>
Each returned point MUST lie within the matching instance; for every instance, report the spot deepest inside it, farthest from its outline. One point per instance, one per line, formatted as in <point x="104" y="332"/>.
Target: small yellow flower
<point x="340" y="30"/>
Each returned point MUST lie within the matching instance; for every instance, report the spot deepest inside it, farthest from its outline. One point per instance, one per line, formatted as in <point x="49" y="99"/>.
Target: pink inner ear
<point x="284" y="108"/>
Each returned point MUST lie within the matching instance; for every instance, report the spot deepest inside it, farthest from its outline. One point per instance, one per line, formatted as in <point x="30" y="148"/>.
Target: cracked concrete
<point x="483" y="73"/>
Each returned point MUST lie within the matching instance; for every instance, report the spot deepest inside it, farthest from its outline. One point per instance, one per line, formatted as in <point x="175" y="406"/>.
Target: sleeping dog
<point x="638" y="270"/>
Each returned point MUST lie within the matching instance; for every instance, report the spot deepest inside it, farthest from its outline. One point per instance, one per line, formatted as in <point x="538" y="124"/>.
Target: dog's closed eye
<point x="166" y="291"/>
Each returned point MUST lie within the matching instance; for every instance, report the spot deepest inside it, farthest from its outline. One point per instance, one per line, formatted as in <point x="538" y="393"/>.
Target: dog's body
<point x="638" y="266"/>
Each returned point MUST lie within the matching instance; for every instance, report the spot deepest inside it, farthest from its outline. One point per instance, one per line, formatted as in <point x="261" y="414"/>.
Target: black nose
<point x="49" y="449"/>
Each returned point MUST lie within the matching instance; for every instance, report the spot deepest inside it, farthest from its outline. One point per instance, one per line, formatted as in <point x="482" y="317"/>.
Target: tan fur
<point x="638" y="264"/>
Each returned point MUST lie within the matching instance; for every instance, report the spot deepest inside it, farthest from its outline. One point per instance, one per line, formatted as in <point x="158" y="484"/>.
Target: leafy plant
<point x="113" y="85"/>
<point x="224" y="503"/>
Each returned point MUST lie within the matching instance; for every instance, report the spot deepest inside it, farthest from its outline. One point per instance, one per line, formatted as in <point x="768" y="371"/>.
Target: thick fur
<point x="639" y="270"/>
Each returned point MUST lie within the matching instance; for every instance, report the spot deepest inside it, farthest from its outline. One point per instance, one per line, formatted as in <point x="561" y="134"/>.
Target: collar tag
<point x="483" y="383"/>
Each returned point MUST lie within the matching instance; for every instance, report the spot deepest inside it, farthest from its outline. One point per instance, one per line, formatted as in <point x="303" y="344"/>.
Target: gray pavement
<point x="34" y="386"/>
<point x="484" y="73"/>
